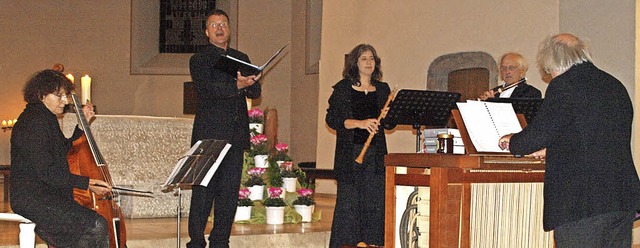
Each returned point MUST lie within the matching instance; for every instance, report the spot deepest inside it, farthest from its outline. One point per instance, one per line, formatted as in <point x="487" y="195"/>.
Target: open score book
<point x="486" y="122"/>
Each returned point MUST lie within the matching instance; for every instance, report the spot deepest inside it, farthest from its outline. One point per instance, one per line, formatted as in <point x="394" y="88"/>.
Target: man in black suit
<point x="513" y="68"/>
<point x="221" y="114"/>
<point x="591" y="189"/>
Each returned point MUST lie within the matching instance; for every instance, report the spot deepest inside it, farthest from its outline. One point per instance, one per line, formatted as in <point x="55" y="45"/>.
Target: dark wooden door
<point x="469" y="82"/>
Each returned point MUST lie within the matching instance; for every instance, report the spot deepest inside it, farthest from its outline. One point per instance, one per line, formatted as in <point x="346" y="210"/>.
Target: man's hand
<point x="539" y="154"/>
<point x="243" y="82"/>
<point x="504" y="142"/>
<point x="486" y="95"/>
<point x="99" y="187"/>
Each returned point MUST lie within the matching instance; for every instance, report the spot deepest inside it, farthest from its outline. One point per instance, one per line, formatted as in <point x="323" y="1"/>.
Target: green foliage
<point x="273" y="173"/>
<point x="245" y="202"/>
<point x="304" y="200"/>
<point x="274" y="202"/>
<point x="253" y="180"/>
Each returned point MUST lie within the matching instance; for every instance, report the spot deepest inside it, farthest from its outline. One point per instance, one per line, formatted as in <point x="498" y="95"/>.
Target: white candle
<point x="86" y="88"/>
<point x="70" y="77"/>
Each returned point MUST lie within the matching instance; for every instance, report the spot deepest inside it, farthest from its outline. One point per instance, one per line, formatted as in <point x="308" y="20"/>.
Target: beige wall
<point x="409" y="36"/>
<point x="93" y="37"/>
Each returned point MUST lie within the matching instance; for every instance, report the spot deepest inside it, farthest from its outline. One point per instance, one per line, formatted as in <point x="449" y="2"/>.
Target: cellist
<point x="41" y="182"/>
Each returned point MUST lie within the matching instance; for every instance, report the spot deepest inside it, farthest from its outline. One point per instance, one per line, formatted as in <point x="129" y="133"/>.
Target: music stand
<point x="196" y="167"/>
<point x="422" y="108"/>
<point x="526" y="106"/>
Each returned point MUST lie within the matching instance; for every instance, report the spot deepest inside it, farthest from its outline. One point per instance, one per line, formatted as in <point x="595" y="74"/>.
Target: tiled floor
<point x="165" y="228"/>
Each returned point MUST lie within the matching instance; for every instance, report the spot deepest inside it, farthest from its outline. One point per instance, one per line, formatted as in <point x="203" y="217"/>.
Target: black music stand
<point x="422" y="108"/>
<point x="196" y="167"/>
<point x="526" y="106"/>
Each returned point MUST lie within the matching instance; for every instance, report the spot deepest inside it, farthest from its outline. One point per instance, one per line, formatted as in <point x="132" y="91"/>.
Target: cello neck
<point x="82" y="121"/>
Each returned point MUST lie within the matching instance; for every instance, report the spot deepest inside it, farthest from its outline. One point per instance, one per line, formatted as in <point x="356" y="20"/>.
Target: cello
<point x="85" y="159"/>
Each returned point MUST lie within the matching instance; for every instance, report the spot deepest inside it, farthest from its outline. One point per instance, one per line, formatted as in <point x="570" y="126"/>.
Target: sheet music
<point x="486" y="122"/>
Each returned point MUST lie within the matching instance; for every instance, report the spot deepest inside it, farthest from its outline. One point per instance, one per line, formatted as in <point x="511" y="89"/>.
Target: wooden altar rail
<point x="449" y="177"/>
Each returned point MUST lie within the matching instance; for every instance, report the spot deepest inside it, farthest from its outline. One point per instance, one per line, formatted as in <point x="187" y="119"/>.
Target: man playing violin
<point x="513" y="68"/>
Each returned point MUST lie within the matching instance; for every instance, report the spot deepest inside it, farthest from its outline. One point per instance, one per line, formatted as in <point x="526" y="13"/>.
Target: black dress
<point x="359" y="210"/>
<point x="41" y="182"/>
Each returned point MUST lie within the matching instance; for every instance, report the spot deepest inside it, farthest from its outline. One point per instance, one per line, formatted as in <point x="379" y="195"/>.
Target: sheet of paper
<point x="486" y="122"/>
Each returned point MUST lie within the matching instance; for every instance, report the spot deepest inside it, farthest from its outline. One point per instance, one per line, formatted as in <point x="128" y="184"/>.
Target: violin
<point x="86" y="159"/>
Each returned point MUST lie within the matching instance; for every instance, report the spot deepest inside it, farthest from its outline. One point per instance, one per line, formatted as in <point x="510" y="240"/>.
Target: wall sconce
<point x="8" y="124"/>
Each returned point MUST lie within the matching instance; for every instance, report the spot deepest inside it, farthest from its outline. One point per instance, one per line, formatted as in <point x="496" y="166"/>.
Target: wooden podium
<point x="449" y="178"/>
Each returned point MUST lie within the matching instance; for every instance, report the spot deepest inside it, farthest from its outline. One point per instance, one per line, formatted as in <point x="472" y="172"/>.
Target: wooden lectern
<point x="449" y="177"/>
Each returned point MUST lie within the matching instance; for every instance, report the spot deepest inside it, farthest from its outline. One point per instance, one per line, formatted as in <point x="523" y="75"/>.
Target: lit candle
<point x="10" y="123"/>
<point x="4" y="123"/>
<point x="86" y="88"/>
<point x="14" y="121"/>
<point x="70" y="77"/>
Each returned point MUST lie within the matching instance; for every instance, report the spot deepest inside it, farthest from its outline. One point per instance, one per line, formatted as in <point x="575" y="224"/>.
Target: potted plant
<point x="304" y="204"/>
<point x="259" y="150"/>
<point x="256" y="121"/>
<point x="255" y="183"/>
<point x="244" y="205"/>
<point x="281" y="153"/>
<point x="274" y="206"/>
<point x="288" y="175"/>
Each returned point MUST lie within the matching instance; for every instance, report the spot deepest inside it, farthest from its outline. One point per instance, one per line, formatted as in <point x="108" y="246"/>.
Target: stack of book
<point x="431" y="139"/>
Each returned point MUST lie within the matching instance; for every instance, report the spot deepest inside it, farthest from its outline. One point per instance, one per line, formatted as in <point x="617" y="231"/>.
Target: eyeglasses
<point x="61" y="96"/>
<point x="509" y="68"/>
<point x="218" y="24"/>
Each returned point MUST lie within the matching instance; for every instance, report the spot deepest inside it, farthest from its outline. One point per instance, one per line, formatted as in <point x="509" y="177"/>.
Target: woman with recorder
<point x="354" y="107"/>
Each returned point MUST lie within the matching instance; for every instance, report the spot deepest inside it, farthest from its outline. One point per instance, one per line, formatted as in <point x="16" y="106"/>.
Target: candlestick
<point x="70" y="77"/>
<point x="86" y="88"/>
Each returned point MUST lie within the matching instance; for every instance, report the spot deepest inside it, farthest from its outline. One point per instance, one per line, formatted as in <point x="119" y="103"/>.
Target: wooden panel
<point x="469" y="82"/>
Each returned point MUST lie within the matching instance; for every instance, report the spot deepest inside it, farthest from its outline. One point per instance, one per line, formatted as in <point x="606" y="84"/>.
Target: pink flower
<point x="286" y="165"/>
<point x="282" y="147"/>
<point x="258" y="139"/>
<point x="255" y="113"/>
<point x="305" y="192"/>
<point x="243" y="193"/>
<point x="255" y="171"/>
<point x="275" y="192"/>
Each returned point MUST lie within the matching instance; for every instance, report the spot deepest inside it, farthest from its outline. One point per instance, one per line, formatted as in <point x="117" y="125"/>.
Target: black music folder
<point x="198" y="165"/>
<point x="232" y="65"/>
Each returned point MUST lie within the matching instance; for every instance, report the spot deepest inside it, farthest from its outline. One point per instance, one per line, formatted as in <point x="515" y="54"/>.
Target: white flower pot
<point x="290" y="183"/>
<point x="258" y="127"/>
<point x="261" y="161"/>
<point x="275" y="215"/>
<point x="257" y="192"/>
<point x="279" y="162"/>
<point x="243" y="213"/>
<point x="305" y="211"/>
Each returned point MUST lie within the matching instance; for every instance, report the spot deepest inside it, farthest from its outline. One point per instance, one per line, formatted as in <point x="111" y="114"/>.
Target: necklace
<point x="366" y="89"/>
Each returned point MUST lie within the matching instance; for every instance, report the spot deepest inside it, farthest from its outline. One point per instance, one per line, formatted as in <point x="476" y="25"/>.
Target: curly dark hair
<point x="350" y="70"/>
<point x="45" y="82"/>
